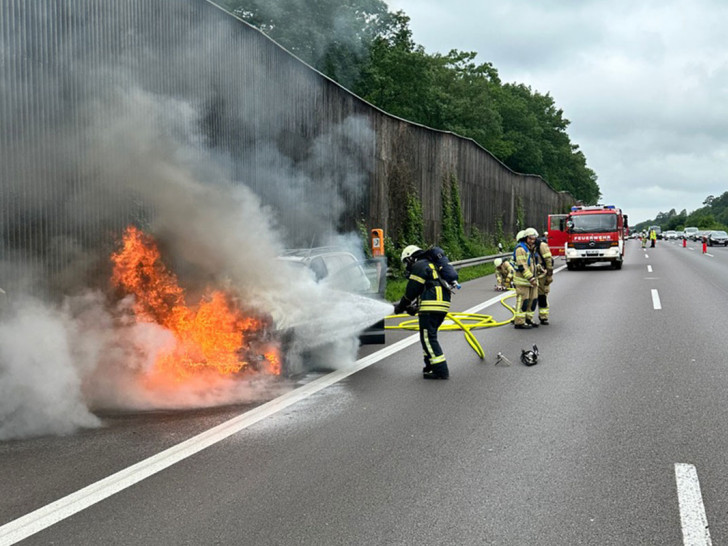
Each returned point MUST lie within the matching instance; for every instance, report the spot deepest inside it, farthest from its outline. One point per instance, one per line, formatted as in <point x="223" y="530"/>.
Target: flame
<point x="212" y="336"/>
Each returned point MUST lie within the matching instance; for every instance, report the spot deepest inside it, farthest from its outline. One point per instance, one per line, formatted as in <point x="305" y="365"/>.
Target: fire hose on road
<point x="460" y="321"/>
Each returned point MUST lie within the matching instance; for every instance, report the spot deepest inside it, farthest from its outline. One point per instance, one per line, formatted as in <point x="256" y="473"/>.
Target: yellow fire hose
<point x="463" y="321"/>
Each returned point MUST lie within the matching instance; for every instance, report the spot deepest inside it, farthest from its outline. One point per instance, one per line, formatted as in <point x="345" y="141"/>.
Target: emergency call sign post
<point x="377" y="242"/>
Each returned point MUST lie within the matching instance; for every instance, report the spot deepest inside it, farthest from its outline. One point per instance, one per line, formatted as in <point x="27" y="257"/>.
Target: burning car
<point x="330" y="298"/>
<point x="352" y="292"/>
<point x="214" y="335"/>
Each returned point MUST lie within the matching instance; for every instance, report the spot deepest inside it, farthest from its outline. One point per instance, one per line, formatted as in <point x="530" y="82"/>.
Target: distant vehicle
<point x="690" y="233"/>
<point x="669" y="235"/>
<point x="557" y="234"/>
<point x="718" y="238"/>
<point x="592" y="234"/>
<point x="680" y="234"/>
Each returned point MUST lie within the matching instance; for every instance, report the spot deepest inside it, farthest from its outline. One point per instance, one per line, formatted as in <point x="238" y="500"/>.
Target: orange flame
<point x="212" y="336"/>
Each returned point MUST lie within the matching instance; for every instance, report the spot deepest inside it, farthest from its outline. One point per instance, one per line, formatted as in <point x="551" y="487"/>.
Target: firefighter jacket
<point x="504" y="274"/>
<point x="545" y="259"/>
<point x="526" y="263"/>
<point x="424" y="283"/>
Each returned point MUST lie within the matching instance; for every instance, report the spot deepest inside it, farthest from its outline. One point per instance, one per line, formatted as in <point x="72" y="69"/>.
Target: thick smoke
<point x="132" y="154"/>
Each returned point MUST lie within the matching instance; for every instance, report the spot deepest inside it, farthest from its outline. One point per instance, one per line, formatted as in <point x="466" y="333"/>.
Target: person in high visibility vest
<point x="434" y="303"/>
<point x="504" y="273"/>
<point x="545" y="278"/>
<point x="653" y="238"/>
<point x="525" y="279"/>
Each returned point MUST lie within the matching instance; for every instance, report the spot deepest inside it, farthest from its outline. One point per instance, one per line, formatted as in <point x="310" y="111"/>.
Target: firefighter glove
<point x="401" y="306"/>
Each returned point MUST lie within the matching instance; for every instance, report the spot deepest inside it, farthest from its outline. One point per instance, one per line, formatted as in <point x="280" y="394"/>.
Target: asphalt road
<point x="618" y="436"/>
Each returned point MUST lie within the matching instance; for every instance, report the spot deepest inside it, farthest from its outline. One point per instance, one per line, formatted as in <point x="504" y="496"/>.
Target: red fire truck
<point x="589" y="234"/>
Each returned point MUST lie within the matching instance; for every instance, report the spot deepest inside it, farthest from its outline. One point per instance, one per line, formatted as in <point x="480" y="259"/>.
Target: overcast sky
<point x="644" y="83"/>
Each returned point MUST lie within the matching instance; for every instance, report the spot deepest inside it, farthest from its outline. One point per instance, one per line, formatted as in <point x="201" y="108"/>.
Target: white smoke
<point x="115" y="144"/>
<point x="60" y="363"/>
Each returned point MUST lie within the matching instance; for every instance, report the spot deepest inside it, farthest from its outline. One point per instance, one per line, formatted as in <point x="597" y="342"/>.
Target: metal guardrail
<point x="470" y="261"/>
<point x="479" y="261"/>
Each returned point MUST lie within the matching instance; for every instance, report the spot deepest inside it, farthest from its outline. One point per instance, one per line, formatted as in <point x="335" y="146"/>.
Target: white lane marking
<point x="708" y="254"/>
<point x="649" y="269"/>
<point x="692" y="511"/>
<point x="65" y="507"/>
<point x="646" y="256"/>
<point x="656" y="299"/>
<point x="44" y="517"/>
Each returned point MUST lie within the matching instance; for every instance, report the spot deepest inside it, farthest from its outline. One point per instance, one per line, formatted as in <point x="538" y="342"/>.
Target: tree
<point x="369" y="50"/>
<point x="333" y="36"/>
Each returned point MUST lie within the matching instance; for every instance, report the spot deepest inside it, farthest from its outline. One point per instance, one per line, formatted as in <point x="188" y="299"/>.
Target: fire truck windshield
<point x="594" y="223"/>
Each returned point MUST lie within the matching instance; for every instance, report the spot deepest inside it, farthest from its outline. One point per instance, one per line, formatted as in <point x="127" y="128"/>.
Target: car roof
<point x="304" y="253"/>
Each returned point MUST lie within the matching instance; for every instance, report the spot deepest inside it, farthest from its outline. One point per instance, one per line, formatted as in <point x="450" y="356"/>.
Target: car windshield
<point x="594" y="223"/>
<point x="720" y="234"/>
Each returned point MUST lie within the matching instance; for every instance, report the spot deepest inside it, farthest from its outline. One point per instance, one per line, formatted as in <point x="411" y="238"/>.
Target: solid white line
<point x="692" y="511"/>
<point x="649" y="269"/>
<point x="656" y="299"/>
<point x="65" y="507"/>
<point x="44" y="517"/>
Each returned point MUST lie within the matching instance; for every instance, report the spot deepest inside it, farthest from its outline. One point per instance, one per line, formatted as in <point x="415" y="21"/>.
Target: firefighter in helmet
<point x="545" y="277"/>
<point x="434" y="302"/>
<point x="525" y="279"/>
<point x="504" y="273"/>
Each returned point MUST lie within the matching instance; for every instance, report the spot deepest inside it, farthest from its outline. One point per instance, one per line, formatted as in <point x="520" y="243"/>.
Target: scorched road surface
<point x="618" y="436"/>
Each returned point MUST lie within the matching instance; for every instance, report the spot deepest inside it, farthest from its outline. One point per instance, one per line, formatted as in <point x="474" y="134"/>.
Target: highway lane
<point x="580" y="449"/>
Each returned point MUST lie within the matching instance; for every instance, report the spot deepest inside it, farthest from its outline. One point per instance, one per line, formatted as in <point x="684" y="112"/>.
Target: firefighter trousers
<point x="526" y="298"/>
<point x="544" y="287"/>
<point x="429" y="324"/>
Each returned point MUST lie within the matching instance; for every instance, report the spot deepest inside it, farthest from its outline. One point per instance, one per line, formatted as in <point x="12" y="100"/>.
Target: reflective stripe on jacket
<point x="424" y="283"/>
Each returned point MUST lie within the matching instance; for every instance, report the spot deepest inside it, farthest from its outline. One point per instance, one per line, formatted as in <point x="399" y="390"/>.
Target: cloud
<point x="643" y="83"/>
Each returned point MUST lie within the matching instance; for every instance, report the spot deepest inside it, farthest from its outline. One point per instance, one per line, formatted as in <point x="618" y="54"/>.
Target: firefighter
<point x="545" y="277"/>
<point x="504" y="273"/>
<point x="434" y="302"/>
<point x="525" y="279"/>
<point x="653" y="238"/>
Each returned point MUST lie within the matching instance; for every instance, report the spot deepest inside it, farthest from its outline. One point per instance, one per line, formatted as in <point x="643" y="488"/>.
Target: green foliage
<point x="450" y="236"/>
<point x="361" y="227"/>
<point x="369" y="50"/>
<point x="413" y="232"/>
<point x="393" y="255"/>
<point x="520" y="214"/>
<point x="714" y="215"/>
<point x="333" y="36"/>
<point x="396" y="286"/>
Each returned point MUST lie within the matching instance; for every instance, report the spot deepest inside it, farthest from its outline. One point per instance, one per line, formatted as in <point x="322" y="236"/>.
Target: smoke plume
<point x="129" y="153"/>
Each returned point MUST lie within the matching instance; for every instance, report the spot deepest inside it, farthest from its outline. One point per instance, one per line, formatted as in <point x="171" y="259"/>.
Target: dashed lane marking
<point x="656" y="300"/>
<point x="692" y="511"/>
<point x="649" y="269"/>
